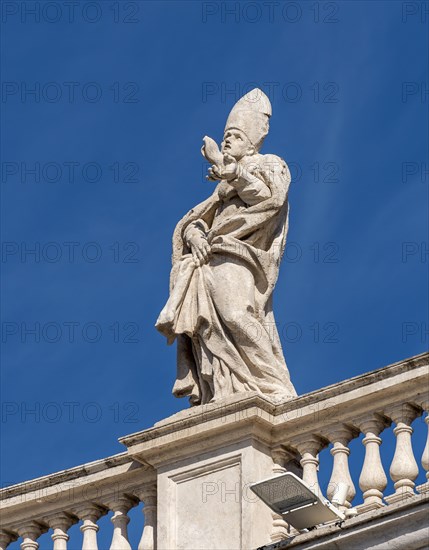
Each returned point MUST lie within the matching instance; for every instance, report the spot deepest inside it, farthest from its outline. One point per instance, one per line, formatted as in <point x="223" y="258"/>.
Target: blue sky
<point x="123" y="94"/>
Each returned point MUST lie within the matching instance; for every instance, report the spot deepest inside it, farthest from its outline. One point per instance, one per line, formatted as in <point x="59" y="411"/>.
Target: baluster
<point x="424" y="487"/>
<point x="403" y="469"/>
<point x="6" y="538"/>
<point x="280" y="528"/>
<point x="372" y="480"/>
<point x="30" y="532"/>
<point x="340" y="437"/>
<point x="120" y="520"/>
<point x="89" y="514"/>
<point x="147" y="495"/>
<point x="60" y="523"/>
<point x="309" y="448"/>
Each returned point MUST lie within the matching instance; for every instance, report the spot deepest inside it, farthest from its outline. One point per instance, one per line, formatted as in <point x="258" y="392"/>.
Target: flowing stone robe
<point x="227" y="337"/>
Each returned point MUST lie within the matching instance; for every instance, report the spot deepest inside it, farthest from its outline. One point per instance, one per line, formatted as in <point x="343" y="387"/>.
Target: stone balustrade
<point x="83" y="494"/>
<point x="201" y="442"/>
<point x="351" y="408"/>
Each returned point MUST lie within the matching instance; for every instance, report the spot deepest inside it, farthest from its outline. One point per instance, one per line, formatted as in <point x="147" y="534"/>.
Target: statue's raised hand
<point x="210" y="151"/>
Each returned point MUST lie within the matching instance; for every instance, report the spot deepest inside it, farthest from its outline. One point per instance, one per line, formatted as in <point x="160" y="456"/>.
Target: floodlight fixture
<point x="289" y="496"/>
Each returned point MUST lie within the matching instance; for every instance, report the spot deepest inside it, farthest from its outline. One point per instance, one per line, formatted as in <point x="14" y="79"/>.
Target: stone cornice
<point x="70" y="474"/>
<point x="257" y="417"/>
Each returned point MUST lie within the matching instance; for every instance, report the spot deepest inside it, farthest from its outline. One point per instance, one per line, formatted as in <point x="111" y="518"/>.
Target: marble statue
<point x="226" y="256"/>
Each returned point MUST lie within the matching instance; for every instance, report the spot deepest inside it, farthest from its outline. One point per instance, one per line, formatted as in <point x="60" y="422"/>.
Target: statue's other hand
<point x="214" y="173"/>
<point x="200" y="249"/>
<point x="230" y="167"/>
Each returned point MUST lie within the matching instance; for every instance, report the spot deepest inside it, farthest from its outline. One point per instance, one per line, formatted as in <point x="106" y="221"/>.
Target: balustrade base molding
<point x="363" y="508"/>
<point x="192" y="472"/>
<point x="403" y="494"/>
<point x="398" y="526"/>
<point x="423" y="488"/>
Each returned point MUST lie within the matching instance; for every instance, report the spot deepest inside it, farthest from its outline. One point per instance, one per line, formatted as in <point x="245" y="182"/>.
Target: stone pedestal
<point x="206" y="458"/>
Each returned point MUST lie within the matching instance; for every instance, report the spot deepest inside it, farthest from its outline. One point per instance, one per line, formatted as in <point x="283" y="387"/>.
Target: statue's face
<point x="236" y="144"/>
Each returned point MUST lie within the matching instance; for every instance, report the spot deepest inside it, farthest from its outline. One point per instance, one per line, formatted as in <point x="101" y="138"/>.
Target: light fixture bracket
<point x="289" y="496"/>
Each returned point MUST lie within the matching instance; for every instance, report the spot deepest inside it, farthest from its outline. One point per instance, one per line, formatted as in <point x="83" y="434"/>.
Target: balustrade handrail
<point x="83" y="493"/>
<point x="77" y="472"/>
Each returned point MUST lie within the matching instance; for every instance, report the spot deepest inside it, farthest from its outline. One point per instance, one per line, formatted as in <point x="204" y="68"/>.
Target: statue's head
<point x="248" y="123"/>
<point x="237" y="144"/>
